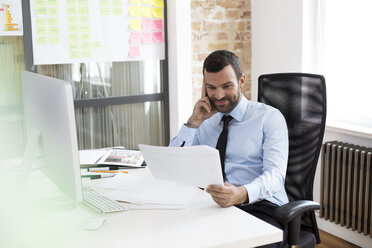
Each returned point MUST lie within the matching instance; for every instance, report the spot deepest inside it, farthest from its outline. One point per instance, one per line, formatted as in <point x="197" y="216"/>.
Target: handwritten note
<point x="147" y="24"/>
<point x="157" y="25"/>
<point x="135" y="24"/>
<point x="134" y="52"/>
<point x="135" y="38"/>
<point x="158" y="37"/>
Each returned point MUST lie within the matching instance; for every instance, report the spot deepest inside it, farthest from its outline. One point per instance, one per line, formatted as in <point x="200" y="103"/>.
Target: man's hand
<point x="228" y="195"/>
<point x="203" y="110"/>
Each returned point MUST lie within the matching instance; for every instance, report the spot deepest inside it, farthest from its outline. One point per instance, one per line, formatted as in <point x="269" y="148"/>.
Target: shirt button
<point x="226" y="160"/>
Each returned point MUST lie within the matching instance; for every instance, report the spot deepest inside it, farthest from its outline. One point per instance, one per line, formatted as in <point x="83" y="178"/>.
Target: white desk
<point x="47" y="219"/>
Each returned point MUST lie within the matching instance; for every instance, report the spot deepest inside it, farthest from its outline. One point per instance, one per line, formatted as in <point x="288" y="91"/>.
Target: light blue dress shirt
<point x="256" y="152"/>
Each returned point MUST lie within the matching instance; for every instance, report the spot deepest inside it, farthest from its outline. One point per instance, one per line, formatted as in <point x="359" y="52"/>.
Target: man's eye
<point x="227" y="87"/>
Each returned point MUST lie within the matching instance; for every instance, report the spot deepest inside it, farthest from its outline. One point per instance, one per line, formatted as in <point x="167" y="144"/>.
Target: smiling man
<point x="252" y="139"/>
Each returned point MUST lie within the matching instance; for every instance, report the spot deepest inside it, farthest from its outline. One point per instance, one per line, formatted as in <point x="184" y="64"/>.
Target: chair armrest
<point x="289" y="211"/>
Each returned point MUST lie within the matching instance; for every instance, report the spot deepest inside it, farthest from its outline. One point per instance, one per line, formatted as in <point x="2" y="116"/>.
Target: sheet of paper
<point x="90" y="156"/>
<point x="195" y="165"/>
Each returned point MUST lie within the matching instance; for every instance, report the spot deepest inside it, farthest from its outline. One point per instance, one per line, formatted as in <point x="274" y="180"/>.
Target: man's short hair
<point x="219" y="59"/>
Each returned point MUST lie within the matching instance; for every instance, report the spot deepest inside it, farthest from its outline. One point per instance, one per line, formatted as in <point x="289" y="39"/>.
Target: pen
<point x="108" y="171"/>
<point x="97" y="176"/>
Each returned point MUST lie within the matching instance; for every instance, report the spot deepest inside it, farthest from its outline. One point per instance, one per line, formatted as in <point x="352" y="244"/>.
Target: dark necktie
<point x="222" y="141"/>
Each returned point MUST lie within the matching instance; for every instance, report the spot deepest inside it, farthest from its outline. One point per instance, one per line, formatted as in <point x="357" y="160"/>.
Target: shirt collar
<point x="238" y="112"/>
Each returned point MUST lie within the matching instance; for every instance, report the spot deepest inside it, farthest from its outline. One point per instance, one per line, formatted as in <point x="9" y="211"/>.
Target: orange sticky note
<point x="157" y="12"/>
<point x="135" y="24"/>
<point x="135" y="38"/>
<point x="134" y="52"/>
<point x="147" y="38"/>
<point x="157" y="25"/>
<point x="158" y="37"/>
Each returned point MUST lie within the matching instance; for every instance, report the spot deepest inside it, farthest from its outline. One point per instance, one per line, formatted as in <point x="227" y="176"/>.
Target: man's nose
<point x="220" y="93"/>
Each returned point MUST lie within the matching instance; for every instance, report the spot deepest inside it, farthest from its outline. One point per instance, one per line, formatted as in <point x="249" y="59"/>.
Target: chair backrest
<point x="302" y="100"/>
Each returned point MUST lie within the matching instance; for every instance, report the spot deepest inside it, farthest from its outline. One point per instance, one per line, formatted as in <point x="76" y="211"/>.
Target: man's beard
<point x="229" y="106"/>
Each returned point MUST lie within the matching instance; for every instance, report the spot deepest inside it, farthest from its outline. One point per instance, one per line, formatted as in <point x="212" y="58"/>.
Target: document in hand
<point x="194" y="165"/>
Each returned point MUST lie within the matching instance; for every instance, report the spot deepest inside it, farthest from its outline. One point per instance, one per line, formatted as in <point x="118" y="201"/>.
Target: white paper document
<point x="198" y="166"/>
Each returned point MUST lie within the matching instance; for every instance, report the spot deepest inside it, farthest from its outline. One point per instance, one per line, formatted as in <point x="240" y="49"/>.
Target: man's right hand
<point x="203" y="110"/>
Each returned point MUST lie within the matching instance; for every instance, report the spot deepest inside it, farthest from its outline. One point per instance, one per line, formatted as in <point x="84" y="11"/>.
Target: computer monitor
<point x="52" y="139"/>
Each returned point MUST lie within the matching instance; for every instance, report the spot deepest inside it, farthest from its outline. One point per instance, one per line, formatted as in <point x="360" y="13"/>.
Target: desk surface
<point x="51" y="220"/>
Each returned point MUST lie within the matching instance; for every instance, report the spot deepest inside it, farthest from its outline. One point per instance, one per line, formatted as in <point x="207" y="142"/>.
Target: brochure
<point x="119" y="157"/>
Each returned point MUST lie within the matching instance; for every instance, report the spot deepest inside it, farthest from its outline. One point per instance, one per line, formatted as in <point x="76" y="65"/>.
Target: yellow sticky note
<point x="52" y="11"/>
<point x="53" y="30"/>
<point x="73" y="37"/>
<point x="158" y="3"/>
<point x="53" y="21"/>
<point x="157" y="12"/>
<point x="135" y="11"/>
<point x="86" y="54"/>
<point x="41" y="21"/>
<point x="52" y="2"/>
<point x="105" y="11"/>
<point x="117" y="3"/>
<point x="74" y="55"/>
<point x="105" y="3"/>
<point x="96" y="45"/>
<point x="53" y="40"/>
<point x="41" y="30"/>
<point x="73" y="46"/>
<point x="71" y="10"/>
<point x="73" y="28"/>
<point x="136" y="1"/>
<point x="39" y="2"/>
<point x="83" y="2"/>
<point x="146" y="12"/>
<point x="116" y="11"/>
<point x="147" y="2"/>
<point x="70" y="2"/>
<point x="85" y="45"/>
<point x="41" y="40"/>
<point x="72" y="19"/>
<point x="84" y="19"/>
<point x="84" y="37"/>
<point x="40" y="11"/>
<point x="135" y="24"/>
<point x="83" y="11"/>
<point x="84" y="28"/>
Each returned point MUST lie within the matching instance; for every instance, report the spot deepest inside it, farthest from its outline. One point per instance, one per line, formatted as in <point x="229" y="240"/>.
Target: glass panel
<point x="95" y="80"/>
<point x="12" y="128"/>
<point x="120" y="125"/>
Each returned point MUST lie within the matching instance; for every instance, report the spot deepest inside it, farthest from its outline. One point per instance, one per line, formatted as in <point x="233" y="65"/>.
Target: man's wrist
<point x="190" y="125"/>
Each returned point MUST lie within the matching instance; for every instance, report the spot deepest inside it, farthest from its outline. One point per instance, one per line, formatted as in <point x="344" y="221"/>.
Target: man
<point x="255" y="159"/>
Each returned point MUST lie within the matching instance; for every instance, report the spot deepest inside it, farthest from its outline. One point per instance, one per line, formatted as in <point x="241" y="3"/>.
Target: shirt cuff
<point x="253" y="192"/>
<point x="187" y="134"/>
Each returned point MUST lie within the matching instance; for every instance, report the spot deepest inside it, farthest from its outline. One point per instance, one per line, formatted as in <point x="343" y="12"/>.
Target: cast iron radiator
<point x="345" y="189"/>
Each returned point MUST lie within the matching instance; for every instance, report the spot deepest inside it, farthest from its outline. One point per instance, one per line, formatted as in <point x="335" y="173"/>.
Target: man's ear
<point x="242" y="81"/>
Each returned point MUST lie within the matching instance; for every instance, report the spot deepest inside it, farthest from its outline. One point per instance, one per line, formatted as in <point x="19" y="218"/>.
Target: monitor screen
<point x="51" y="131"/>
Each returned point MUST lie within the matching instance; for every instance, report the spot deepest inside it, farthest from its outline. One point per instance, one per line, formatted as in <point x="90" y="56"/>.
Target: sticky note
<point x="95" y="44"/>
<point x="85" y="45"/>
<point x="136" y="1"/>
<point x="135" y="38"/>
<point x="116" y="3"/>
<point x="41" y="40"/>
<point x="52" y="2"/>
<point x="158" y="3"/>
<point x="83" y="11"/>
<point x="83" y="2"/>
<point x="158" y="37"/>
<point x="86" y="54"/>
<point x="146" y="24"/>
<point x="72" y="28"/>
<point x="73" y="46"/>
<point x="85" y="37"/>
<point x="105" y="11"/>
<point x="53" y="30"/>
<point x="84" y="28"/>
<point x="73" y="37"/>
<point x="146" y="12"/>
<point x="39" y="2"/>
<point x="135" y="24"/>
<point x="149" y="2"/>
<point x="40" y="11"/>
<point x="147" y="38"/>
<point x="53" y="40"/>
<point x="70" y="2"/>
<point x="72" y="19"/>
<point x="134" y="52"/>
<point x="157" y="25"/>
<point x="71" y="10"/>
<point x="116" y="11"/>
<point x="74" y="55"/>
<point x="157" y="12"/>
<point x="83" y="19"/>
<point x="41" y="21"/>
<point x="53" y="21"/>
<point x="41" y="30"/>
<point x="52" y="11"/>
<point x="135" y="11"/>
<point x="105" y="3"/>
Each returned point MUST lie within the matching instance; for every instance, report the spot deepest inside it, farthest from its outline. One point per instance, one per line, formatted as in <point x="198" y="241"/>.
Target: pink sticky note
<point x="147" y="24"/>
<point x="134" y="52"/>
<point x="147" y="38"/>
<point x="135" y="38"/>
<point x="157" y="25"/>
<point x="158" y="37"/>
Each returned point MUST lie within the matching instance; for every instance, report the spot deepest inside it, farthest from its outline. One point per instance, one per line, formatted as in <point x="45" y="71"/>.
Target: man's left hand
<point x="227" y="195"/>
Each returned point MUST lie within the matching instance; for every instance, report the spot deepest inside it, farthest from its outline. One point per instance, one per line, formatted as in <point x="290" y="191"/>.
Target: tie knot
<point x="226" y="119"/>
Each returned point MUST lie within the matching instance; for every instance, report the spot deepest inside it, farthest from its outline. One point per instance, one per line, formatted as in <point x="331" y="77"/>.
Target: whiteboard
<point x="79" y="31"/>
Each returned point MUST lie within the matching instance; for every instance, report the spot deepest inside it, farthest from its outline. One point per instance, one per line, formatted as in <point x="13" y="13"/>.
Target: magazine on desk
<point x="112" y="157"/>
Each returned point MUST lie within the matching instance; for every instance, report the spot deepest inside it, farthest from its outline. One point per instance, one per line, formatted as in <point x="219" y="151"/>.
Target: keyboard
<point x="99" y="202"/>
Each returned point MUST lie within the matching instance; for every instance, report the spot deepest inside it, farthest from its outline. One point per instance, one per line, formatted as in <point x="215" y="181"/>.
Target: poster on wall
<point x="78" y="31"/>
<point x="11" y="23"/>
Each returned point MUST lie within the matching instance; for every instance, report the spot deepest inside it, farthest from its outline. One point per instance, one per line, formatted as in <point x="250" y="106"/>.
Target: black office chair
<point x="302" y="100"/>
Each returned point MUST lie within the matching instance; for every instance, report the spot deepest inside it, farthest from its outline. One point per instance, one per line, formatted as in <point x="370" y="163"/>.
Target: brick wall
<point x="220" y="24"/>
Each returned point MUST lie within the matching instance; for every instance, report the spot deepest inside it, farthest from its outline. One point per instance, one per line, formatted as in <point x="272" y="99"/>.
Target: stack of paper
<point x="148" y="193"/>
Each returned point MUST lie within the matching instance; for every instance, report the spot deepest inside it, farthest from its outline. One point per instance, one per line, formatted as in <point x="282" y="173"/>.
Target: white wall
<point x="283" y="40"/>
<point x="179" y="54"/>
